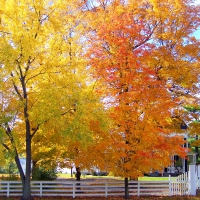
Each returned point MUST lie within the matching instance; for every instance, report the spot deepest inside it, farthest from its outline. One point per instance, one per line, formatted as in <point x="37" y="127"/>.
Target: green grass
<point x="145" y="178"/>
<point x="60" y="175"/>
<point x="68" y="176"/>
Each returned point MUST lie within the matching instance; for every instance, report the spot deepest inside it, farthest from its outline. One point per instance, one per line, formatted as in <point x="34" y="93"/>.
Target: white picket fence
<point x="180" y="185"/>
<point x="185" y="184"/>
<point x="93" y="188"/>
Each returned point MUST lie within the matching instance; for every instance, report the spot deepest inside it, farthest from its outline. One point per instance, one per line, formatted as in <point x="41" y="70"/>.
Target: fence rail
<point x="186" y="184"/>
<point x="88" y="188"/>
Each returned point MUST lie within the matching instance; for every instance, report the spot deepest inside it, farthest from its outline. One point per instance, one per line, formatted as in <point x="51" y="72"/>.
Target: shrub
<point x="41" y="174"/>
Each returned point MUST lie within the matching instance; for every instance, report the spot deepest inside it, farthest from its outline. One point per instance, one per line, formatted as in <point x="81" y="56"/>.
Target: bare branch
<point x="6" y="146"/>
<point x="17" y="91"/>
<point x="146" y="39"/>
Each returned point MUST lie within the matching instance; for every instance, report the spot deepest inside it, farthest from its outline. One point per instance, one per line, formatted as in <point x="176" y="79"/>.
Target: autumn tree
<point x="41" y="75"/>
<point x="82" y="130"/>
<point x="141" y="52"/>
<point x="94" y="151"/>
<point x="191" y="115"/>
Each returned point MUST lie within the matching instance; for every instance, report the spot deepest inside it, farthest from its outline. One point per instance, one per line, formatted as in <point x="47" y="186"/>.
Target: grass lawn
<point x="68" y="176"/>
<point x="145" y="178"/>
<point x="60" y="175"/>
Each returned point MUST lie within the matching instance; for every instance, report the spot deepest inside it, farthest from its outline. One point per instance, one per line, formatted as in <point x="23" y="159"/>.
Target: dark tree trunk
<point x="27" y="180"/>
<point x="78" y="177"/>
<point x="126" y="188"/>
<point x="78" y="174"/>
<point x="196" y="150"/>
<point x="17" y="161"/>
<point x="71" y="172"/>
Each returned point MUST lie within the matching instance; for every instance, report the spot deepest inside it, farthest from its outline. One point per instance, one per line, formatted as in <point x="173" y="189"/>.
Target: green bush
<point x="41" y="174"/>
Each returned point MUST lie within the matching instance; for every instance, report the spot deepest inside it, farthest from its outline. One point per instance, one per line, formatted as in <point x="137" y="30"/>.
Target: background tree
<point x="191" y="114"/>
<point x="65" y="142"/>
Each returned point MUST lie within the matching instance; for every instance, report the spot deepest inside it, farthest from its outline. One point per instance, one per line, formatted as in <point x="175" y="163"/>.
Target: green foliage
<point x="43" y="174"/>
<point x="178" y="163"/>
<point x="2" y="170"/>
<point x="192" y="108"/>
<point x="12" y="168"/>
<point x="9" y="167"/>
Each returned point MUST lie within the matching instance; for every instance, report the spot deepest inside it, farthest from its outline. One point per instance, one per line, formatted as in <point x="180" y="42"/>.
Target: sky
<point x="197" y="34"/>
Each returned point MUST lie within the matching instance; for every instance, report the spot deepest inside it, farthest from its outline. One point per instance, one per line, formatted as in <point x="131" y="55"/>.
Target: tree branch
<point x="71" y="109"/>
<point x="6" y="146"/>
<point x="35" y="76"/>
<point x="35" y="130"/>
<point x="17" y="91"/>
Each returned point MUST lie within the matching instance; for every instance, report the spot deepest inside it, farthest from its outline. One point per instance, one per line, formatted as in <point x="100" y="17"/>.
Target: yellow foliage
<point x="62" y="64"/>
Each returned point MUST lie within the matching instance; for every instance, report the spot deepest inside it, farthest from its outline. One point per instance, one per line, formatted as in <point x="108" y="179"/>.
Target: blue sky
<point x="197" y="34"/>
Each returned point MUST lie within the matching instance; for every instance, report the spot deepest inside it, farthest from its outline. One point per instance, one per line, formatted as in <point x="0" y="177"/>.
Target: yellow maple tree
<point x="41" y="75"/>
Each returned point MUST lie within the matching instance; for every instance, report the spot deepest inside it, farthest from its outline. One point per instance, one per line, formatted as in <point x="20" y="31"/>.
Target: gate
<point x="180" y="185"/>
<point x="187" y="183"/>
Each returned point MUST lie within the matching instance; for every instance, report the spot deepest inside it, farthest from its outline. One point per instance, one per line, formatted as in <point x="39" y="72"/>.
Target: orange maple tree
<point x="137" y="51"/>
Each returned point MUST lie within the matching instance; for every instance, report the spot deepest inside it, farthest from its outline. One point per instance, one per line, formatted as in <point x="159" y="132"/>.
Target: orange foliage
<point x="130" y="55"/>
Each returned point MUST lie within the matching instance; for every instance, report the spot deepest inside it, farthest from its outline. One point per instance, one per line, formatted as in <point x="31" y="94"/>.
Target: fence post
<point x="106" y="189"/>
<point x="73" y="188"/>
<point x="8" y="189"/>
<point x="40" y="188"/>
<point x="138" y="189"/>
<point x="192" y="179"/>
<point x="198" y="170"/>
<point x="198" y="176"/>
<point x="170" y="185"/>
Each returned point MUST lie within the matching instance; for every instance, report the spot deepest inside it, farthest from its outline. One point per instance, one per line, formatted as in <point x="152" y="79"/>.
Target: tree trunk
<point x="27" y="179"/>
<point x="78" y="174"/>
<point x="126" y="189"/>
<point x="78" y="177"/>
<point x="17" y="161"/>
<point x="26" y="190"/>
<point x="196" y="150"/>
<point x="71" y="172"/>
